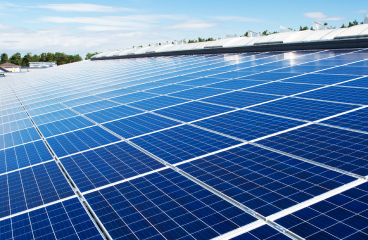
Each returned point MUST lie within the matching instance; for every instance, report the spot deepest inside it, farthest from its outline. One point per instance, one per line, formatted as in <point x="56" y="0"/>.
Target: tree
<point x="303" y="28"/>
<point x="311" y="28"/>
<point x="49" y="57"/>
<point x="246" y="34"/>
<point x="4" y="58"/>
<point x="265" y="33"/>
<point x="343" y="26"/>
<point x="325" y="24"/>
<point x="59" y="58"/>
<point x="26" y="59"/>
<point x="35" y="58"/>
<point x="43" y="57"/>
<point x="16" y="59"/>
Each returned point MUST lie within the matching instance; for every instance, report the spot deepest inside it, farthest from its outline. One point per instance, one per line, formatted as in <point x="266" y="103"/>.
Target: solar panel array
<point x="270" y="145"/>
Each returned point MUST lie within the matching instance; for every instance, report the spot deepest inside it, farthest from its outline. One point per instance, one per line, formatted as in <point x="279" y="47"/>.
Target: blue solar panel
<point x="138" y="125"/>
<point x="213" y="180"/>
<point x="343" y="216"/>
<point x="282" y="88"/>
<point x="320" y="79"/>
<point x="338" y="148"/>
<point x="262" y="180"/>
<point x="240" y="99"/>
<point x="53" y="116"/>
<point x="32" y="187"/>
<point x="247" y="125"/>
<point x="133" y="97"/>
<point x="182" y="143"/>
<point x="80" y="140"/>
<point x="197" y="93"/>
<point x="106" y="165"/>
<point x="112" y="113"/>
<point x="157" y="102"/>
<point x="66" y="220"/>
<point x="192" y="111"/>
<point x="303" y="109"/>
<point x="164" y="205"/>
<point x="261" y="233"/>
<point x="357" y="120"/>
<point x="340" y="94"/>
<point x="236" y="84"/>
<point x="95" y="106"/>
<point x="63" y="126"/>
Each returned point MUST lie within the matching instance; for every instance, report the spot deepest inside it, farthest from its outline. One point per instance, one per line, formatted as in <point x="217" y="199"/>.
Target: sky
<point x="78" y="27"/>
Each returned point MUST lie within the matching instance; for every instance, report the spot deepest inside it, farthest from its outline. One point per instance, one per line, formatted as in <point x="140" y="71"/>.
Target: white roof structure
<point x="320" y="33"/>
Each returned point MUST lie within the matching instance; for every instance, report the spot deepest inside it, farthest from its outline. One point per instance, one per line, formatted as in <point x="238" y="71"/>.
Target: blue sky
<point x="88" y="26"/>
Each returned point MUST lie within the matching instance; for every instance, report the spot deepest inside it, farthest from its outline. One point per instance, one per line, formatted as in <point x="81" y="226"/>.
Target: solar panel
<point x="268" y="145"/>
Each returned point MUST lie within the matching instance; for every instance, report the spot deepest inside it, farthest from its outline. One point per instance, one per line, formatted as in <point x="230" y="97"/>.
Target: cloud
<point x="238" y="19"/>
<point x="132" y="21"/>
<point x="80" y="7"/>
<point x="361" y="11"/>
<point x="193" y="25"/>
<point x="322" y="16"/>
<point x="102" y="28"/>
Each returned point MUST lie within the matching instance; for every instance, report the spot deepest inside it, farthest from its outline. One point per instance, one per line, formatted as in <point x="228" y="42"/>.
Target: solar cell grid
<point x="134" y="195"/>
<point x="32" y="187"/>
<point x="262" y="180"/>
<point x="67" y="219"/>
<point x="164" y="204"/>
<point x="338" y="148"/>
<point x="107" y="165"/>
<point x="343" y="216"/>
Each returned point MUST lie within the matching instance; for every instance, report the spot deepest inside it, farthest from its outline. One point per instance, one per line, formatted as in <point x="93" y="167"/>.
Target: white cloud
<point x="101" y="28"/>
<point x="132" y="21"/>
<point x="238" y="19"/>
<point x="193" y="25"/>
<point x="80" y="7"/>
<point x="322" y="16"/>
<point x="361" y="11"/>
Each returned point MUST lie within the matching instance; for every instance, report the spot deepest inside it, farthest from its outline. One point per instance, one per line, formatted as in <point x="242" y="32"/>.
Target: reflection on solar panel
<point x="235" y="146"/>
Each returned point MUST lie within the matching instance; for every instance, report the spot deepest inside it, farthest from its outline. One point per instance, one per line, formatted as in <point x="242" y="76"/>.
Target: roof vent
<point x="318" y="26"/>
<point x="229" y="35"/>
<point x="365" y="21"/>
<point x="254" y="34"/>
<point x="284" y="29"/>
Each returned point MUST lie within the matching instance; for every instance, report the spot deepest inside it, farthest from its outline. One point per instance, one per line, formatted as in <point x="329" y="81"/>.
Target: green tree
<point x="35" y="58"/>
<point x="200" y="39"/>
<point x="59" y="58"/>
<point x="89" y="55"/>
<point x="246" y="34"/>
<point x="325" y="24"/>
<point x="343" y="26"/>
<point x="43" y="57"/>
<point x="16" y="59"/>
<point x="49" y="57"/>
<point x="4" y="58"/>
<point x="265" y="32"/>
<point x="26" y="59"/>
<point x="303" y="28"/>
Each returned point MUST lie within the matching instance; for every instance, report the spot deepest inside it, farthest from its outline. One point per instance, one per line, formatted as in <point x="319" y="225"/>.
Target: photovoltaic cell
<point x="247" y="125"/>
<point x="138" y="125"/>
<point x="107" y="165"/>
<point x="164" y="205"/>
<point x="262" y="180"/>
<point x="192" y="111"/>
<point x="240" y="99"/>
<point x="112" y="113"/>
<point x="157" y="102"/>
<point x="340" y="94"/>
<point x="80" y="140"/>
<point x="357" y="120"/>
<point x="343" y="216"/>
<point x="324" y="79"/>
<point x="182" y="143"/>
<point x="32" y="187"/>
<point x="67" y="219"/>
<point x="338" y="148"/>
<point x="303" y="109"/>
<point x="135" y="196"/>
